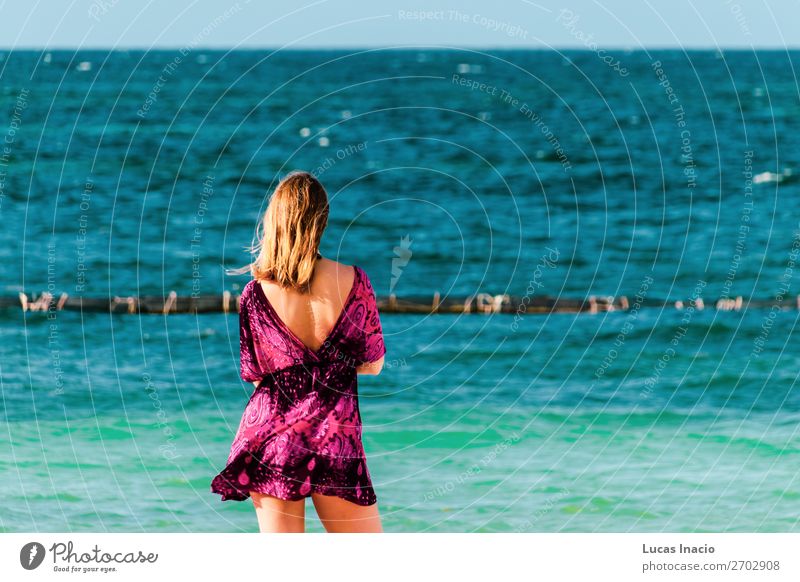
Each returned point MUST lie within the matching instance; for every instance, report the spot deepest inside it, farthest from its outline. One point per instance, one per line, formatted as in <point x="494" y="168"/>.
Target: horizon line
<point x="579" y="48"/>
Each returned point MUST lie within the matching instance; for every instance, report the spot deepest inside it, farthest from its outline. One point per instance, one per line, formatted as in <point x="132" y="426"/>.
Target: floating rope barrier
<point x="485" y="303"/>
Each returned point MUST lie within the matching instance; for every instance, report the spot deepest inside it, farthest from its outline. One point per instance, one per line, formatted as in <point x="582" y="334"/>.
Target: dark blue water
<point x="135" y="173"/>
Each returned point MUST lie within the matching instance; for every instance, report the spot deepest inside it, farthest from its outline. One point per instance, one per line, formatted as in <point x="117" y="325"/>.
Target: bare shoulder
<point x="338" y="276"/>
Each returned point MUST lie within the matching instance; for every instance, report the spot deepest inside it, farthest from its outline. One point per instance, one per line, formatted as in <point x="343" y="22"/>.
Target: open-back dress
<point x="301" y="429"/>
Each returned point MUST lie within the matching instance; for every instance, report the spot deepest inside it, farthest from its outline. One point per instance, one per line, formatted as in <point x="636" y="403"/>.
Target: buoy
<point x="169" y="304"/>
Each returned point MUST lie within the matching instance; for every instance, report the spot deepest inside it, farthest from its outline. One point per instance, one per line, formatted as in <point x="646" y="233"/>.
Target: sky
<point x="344" y="24"/>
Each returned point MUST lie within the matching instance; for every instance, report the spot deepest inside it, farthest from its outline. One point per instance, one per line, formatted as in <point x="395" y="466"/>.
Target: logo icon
<point x="31" y="555"/>
<point x="402" y="255"/>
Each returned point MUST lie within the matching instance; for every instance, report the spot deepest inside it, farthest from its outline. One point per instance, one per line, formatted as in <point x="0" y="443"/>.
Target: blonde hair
<point x="290" y="232"/>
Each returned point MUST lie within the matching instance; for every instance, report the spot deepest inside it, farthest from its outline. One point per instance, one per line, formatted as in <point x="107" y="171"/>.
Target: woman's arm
<point x="373" y="350"/>
<point x="371" y="368"/>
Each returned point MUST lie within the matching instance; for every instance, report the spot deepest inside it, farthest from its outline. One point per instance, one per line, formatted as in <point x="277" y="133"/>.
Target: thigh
<point x="340" y="516"/>
<point x="279" y="516"/>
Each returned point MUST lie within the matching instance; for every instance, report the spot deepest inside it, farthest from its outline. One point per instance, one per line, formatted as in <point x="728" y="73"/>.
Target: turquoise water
<point x="500" y="441"/>
<point x="650" y="420"/>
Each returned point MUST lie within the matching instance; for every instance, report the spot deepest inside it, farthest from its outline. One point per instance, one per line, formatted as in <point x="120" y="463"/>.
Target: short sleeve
<point x="249" y="368"/>
<point x="373" y="347"/>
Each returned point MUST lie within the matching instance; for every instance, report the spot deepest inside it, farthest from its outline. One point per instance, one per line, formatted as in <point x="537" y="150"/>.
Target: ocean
<point x="662" y="176"/>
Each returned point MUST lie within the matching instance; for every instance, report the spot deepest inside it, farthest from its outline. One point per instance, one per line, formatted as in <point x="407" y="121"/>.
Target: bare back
<point x="312" y="316"/>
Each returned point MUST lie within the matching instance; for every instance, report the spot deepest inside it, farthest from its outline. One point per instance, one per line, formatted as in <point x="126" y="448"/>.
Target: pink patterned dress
<point x="301" y="429"/>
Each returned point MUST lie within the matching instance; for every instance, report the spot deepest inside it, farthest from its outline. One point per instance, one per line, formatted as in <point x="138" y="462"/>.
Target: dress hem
<point x="233" y="494"/>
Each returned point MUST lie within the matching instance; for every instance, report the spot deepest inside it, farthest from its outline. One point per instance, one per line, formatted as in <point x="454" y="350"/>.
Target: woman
<point x="307" y="327"/>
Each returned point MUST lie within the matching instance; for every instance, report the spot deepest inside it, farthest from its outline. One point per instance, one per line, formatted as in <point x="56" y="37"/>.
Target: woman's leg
<point x="279" y="516"/>
<point x="340" y="516"/>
